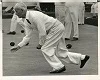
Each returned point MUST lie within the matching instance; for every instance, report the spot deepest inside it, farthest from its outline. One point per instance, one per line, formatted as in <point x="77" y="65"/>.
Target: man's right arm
<point x="28" y="32"/>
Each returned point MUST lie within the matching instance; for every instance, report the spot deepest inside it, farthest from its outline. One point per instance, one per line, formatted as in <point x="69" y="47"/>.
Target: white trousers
<point x="68" y="23"/>
<point x="55" y="47"/>
<point x="14" y="21"/>
<point x="71" y="21"/>
<point x="68" y="29"/>
<point x="60" y="13"/>
<point x="81" y="15"/>
<point x="74" y="17"/>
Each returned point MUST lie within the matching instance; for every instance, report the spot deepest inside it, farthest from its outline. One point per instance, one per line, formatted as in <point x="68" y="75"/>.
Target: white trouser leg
<point x="60" y="13"/>
<point x="74" y="17"/>
<point x="48" y="49"/>
<point x="54" y="62"/>
<point x="72" y="57"/>
<point x="68" y="23"/>
<point x="81" y="16"/>
<point x="68" y="28"/>
<point x="13" y="23"/>
<point x="65" y="55"/>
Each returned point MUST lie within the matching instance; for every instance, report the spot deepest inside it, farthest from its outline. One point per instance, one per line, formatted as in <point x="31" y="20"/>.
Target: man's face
<point x="20" y="13"/>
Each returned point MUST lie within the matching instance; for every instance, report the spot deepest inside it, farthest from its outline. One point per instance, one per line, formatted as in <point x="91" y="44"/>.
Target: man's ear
<point x="21" y="10"/>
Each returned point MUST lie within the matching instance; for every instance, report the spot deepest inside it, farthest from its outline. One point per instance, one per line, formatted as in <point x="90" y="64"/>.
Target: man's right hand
<point x="15" y="48"/>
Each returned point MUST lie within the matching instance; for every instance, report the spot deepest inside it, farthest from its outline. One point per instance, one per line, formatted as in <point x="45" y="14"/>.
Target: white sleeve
<point x="28" y="32"/>
<point x="42" y="40"/>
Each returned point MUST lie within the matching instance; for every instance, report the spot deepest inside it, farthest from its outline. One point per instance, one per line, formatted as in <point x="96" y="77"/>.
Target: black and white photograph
<point x="42" y="38"/>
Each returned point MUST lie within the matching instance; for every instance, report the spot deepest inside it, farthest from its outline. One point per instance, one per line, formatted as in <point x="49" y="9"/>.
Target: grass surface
<point x="29" y="61"/>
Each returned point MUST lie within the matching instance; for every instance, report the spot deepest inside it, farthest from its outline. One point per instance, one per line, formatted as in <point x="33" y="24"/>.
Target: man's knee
<point x="48" y="51"/>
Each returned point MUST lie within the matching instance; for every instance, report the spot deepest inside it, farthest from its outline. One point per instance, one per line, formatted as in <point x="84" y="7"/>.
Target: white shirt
<point x="38" y="21"/>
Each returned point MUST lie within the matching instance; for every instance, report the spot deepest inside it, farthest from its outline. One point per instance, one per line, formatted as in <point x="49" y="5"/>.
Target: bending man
<point x="51" y="34"/>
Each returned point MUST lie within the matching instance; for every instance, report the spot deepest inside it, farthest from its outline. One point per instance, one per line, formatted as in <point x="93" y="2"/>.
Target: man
<point x="51" y="35"/>
<point x="15" y="20"/>
<point x="71" y="20"/>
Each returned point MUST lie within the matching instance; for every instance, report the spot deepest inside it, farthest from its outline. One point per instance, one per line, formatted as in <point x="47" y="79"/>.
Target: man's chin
<point x="22" y="17"/>
<point x="19" y="16"/>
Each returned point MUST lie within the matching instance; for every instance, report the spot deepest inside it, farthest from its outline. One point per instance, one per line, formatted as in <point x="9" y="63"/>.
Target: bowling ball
<point x="27" y="44"/>
<point x="22" y="31"/>
<point x="68" y="46"/>
<point x="12" y="44"/>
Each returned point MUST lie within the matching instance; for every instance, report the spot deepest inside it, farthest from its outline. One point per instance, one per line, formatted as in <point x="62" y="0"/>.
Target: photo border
<point x="62" y="77"/>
